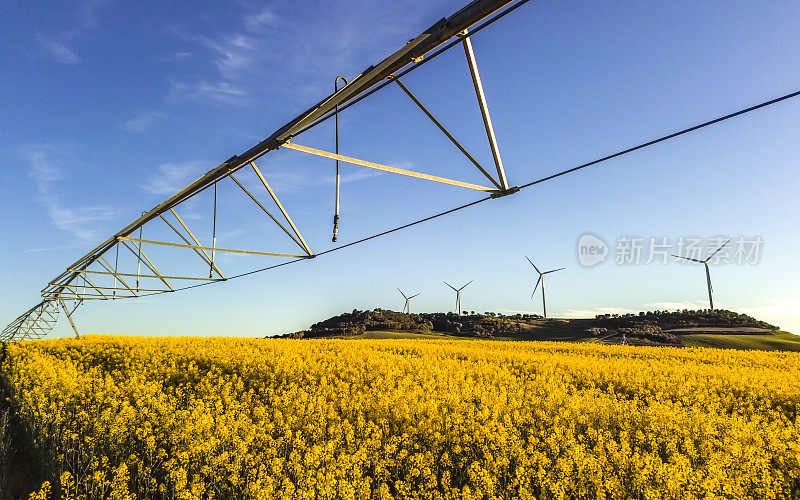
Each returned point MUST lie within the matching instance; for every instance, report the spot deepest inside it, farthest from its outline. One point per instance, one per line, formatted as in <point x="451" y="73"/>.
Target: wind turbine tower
<point x="541" y="279"/>
<point x="407" y="306"/>
<point x="708" y="273"/>
<point x="458" y="295"/>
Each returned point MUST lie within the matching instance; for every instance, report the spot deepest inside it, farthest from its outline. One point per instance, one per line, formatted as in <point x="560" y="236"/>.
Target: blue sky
<point x="107" y="108"/>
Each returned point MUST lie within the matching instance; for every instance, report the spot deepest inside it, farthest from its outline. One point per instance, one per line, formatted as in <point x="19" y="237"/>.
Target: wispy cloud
<point x="83" y="18"/>
<point x="86" y="11"/>
<point x="81" y="222"/>
<point x="50" y="249"/>
<point x="293" y="52"/>
<point x="265" y="18"/>
<point x="287" y="180"/>
<point x="358" y="175"/>
<point x="142" y="121"/>
<point x="592" y="312"/>
<point x="653" y="306"/>
<point x="56" y="47"/>
<point x="676" y="306"/>
<point x="284" y="180"/>
<point x="172" y="177"/>
<point x="181" y="55"/>
<point x="233" y="53"/>
<point x="779" y="311"/>
<point x="192" y="216"/>
<point x="225" y="235"/>
<point x="517" y="311"/>
<point x="218" y="91"/>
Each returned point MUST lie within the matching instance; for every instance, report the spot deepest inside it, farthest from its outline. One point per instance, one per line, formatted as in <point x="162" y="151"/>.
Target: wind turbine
<point x="458" y="295"/>
<point x="708" y="274"/>
<point x="541" y="279"/>
<point x="407" y="307"/>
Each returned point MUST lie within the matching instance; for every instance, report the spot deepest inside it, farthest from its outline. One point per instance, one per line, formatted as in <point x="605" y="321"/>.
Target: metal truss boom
<point x="413" y="51"/>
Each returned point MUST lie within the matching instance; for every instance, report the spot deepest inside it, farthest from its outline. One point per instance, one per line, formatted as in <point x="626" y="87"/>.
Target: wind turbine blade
<point x="401" y="293"/>
<point x="414" y="296"/>
<point x="718" y="249"/>
<point x="534" y="265"/>
<point x="451" y="286"/>
<point x="537" y="286"/>
<point x="708" y="279"/>
<point x="554" y="270"/>
<point x="465" y="286"/>
<point x="688" y="258"/>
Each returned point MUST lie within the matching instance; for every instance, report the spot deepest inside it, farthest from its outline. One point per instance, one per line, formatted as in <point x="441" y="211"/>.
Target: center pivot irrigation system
<point x="99" y="275"/>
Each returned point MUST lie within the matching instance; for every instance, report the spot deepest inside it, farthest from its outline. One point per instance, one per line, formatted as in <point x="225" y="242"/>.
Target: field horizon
<point x="700" y="328"/>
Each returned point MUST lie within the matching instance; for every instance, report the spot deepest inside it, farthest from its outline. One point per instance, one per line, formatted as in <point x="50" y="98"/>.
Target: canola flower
<point x="197" y="418"/>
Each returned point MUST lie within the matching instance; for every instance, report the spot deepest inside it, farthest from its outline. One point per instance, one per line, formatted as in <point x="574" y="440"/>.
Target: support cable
<point x="662" y="139"/>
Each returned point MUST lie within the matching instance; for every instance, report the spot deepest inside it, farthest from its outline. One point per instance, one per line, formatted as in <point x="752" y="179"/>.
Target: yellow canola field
<point x="134" y="417"/>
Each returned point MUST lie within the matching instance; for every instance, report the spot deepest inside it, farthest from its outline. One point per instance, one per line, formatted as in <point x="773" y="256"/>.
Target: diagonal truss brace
<point x="446" y="132"/>
<point x="385" y="168"/>
<point x="487" y="119"/>
<point x="143" y="259"/>
<point x="201" y="253"/>
<point x="280" y="207"/>
<point x="107" y="266"/>
<point x="293" y="237"/>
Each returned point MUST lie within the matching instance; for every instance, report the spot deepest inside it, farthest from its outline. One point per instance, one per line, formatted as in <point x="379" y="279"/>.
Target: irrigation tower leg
<point x="69" y="317"/>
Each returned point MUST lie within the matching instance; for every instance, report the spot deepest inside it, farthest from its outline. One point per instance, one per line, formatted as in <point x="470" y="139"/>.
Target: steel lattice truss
<point x="98" y="276"/>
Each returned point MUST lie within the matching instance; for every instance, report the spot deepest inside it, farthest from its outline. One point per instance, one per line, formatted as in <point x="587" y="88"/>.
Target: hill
<point x="709" y="328"/>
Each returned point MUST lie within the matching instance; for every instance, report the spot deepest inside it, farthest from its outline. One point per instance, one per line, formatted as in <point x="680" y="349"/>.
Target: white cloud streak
<point x="81" y="222"/>
<point x="56" y="47"/>
<point x="676" y="306"/>
<point x="143" y="121"/>
<point x="290" y="53"/>
<point x="592" y="312"/>
<point x="172" y="177"/>
<point x="265" y="18"/>
<point x="219" y="91"/>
